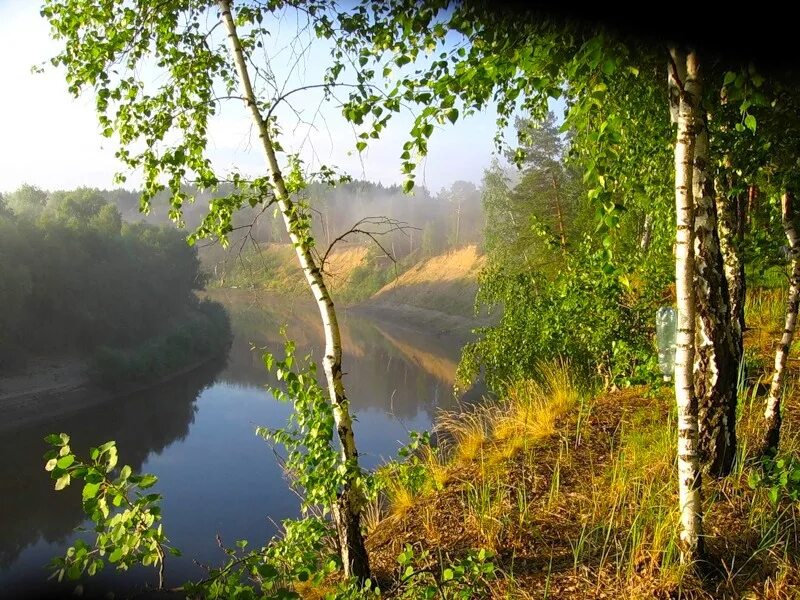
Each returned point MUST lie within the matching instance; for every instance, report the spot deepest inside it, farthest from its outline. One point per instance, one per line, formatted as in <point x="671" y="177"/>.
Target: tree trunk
<point x="559" y="213"/>
<point x="729" y="226"/>
<point x="772" y="414"/>
<point x="647" y="233"/>
<point x="716" y="367"/>
<point x="752" y="201"/>
<point x="347" y="513"/>
<point x="685" y="92"/>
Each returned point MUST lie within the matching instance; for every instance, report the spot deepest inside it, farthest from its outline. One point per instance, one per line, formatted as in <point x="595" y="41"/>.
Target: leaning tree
<point x="160" y="71"/>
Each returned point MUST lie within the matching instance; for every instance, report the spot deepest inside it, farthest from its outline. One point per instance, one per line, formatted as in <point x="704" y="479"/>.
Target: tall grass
<point x="532" y="406"/>
<point x="537" y="460"/>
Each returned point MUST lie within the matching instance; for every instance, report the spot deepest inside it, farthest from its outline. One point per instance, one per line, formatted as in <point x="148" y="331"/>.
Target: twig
<point x="389" y="225"/>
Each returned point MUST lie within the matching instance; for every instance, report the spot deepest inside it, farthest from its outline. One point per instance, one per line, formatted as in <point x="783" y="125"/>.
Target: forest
<point x="77" y="279"/>
<point x="633" y="322"/>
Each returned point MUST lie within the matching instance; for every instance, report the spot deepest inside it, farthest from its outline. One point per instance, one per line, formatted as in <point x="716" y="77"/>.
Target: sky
<point x="52" y="140"/>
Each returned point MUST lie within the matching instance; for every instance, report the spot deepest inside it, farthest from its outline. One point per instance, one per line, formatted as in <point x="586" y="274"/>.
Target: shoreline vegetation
<point x="91" y="302"/>
<point x="49" y="387"/>
<point x="202" y="335"/>
<point x="570" y="490"/>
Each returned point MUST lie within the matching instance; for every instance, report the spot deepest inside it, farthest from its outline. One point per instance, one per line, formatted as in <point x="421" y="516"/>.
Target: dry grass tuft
<point x="533" y="405"/>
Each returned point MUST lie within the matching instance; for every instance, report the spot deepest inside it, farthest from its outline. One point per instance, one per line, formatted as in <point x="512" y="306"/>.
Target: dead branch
<point x="373" y="228"/>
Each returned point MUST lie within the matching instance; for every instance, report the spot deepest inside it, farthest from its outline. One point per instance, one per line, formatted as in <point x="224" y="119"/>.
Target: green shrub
<point x="203" y="334"/>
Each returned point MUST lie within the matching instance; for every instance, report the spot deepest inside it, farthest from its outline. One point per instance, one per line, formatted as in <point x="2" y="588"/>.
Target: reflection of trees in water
<point x="141" y="423"/>
<point x="402" y="372"/>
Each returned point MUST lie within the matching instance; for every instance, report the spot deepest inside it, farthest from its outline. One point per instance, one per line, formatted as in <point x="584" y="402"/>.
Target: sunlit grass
<point x="533" y="405"/>
<point x="469" y="430"/>
<point x="513" y="465"/>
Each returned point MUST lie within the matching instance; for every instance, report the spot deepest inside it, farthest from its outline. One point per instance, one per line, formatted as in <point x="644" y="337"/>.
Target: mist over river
<point x="196" y="433"/>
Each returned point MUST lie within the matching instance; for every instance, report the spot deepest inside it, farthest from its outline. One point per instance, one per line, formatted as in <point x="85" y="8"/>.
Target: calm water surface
<point x="196" y="433"/>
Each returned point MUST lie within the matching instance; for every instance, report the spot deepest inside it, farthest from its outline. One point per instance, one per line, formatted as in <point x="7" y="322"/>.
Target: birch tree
<point x="685" y="97"/>
<point x="716" y="361"/>
<point x="163" y="132"/>
<point x="608" y="85"/>
<point x="772" y="413"/>
<point x="730" y="227"/>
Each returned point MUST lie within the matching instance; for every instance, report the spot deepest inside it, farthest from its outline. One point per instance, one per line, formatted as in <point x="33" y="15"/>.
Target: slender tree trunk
<point x="647" y="233"/>
<point x="772" y="414"/>
<point x="458" y="221"/>
<point x="729" y="226"/>
<point x="743" y="217"/>
<point x="685" y="92"/>
<point x="559" y="212"/>
<point x="347" y="512"/>
<point x="752" y="201"/>
<point x="716" y="367"/>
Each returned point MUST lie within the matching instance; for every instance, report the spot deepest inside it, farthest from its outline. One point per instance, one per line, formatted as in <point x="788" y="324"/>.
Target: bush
<point x="601" y="323"/>
<point x="204" y="334"/>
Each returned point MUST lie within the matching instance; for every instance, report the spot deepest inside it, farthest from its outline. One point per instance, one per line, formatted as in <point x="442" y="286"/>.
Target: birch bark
<point x="728" y="227"/>
<point x="347" y="512"/>
<point x="772" y="414"/>
<point x="685" y="92"/>
<point x="716" y="367"/>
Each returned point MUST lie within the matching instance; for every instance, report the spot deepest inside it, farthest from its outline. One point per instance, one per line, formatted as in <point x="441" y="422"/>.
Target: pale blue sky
<point x="52" y="140"/>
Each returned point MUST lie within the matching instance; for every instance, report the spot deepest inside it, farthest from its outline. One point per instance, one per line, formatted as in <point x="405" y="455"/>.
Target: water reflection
<point x="196" y="434"/>
<point x="142" y="423"/>
<point x="386" y="367"/>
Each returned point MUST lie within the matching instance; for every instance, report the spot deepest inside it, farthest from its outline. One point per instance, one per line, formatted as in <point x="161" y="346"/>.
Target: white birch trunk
<point x="347" y="513"/>
<point x="647" y="232"/>
<point x="730" y="227"/>
<point x="716" y="367"/>
<point x="772" y="414"/>
<point x="683" y="76"/>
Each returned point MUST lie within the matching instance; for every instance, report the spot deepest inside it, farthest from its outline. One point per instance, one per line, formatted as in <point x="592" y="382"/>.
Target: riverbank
<point x="572" y="495"/>
<point x="421" y="320"/>
<point x="49" y="389"/>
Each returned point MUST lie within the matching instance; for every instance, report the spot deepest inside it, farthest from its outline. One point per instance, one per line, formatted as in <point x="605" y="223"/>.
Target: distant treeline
<point x="75" y="277"/>
<point x="407" y="228"/>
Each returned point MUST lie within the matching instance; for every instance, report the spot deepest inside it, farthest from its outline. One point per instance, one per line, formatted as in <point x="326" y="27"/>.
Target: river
<point x="196" y="433"/>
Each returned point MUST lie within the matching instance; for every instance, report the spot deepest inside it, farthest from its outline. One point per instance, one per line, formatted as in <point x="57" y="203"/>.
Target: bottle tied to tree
<point x="666" y="332"/>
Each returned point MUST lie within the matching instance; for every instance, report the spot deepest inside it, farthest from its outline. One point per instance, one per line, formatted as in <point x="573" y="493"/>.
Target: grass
<point x="577" y="495"/>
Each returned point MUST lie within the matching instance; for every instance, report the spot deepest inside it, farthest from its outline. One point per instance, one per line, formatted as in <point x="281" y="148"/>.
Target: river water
<point x="196" y="433"/>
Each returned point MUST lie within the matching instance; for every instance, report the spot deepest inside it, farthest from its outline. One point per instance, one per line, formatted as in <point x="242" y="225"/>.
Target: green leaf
<point x="148" y="480"/>
<point x="750" y="123"/>
<point x="773" y="495"/>
<point x="90" y="490"/>
<point x="267" y="571"/>
<point x="66" y="461"/>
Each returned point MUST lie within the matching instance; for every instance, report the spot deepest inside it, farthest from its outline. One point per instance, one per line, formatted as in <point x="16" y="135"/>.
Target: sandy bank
<point x="51" y="388"/>
<point x="423" y="320"/>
